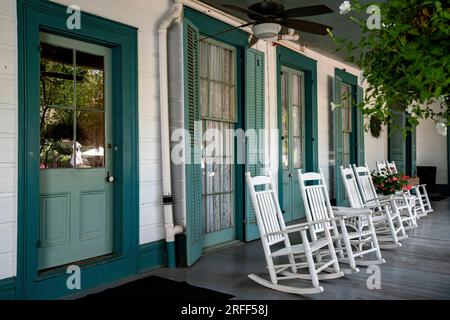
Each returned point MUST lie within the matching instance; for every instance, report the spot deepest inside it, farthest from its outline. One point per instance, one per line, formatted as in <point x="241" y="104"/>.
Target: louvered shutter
<point x="254" y="119"/>
<point x="194" y="236"/>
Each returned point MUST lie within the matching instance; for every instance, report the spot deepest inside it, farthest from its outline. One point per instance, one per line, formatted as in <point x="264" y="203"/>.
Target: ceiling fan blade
<point x="243" y="10"/>
<point x="305" y="11"/>
<point x="227" y="30"/>
<point x="253" y="41"/>
<point x="305" y="26"/>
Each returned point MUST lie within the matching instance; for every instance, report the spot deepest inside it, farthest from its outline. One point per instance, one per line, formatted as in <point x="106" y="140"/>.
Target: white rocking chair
<point x="274" y="234"/>
<point x="415" y="203"/>
<point x="356" y="228"/>
<point x="423" y="204"/>
<point x="388" y="224"/>
<point x="400" y="205"/>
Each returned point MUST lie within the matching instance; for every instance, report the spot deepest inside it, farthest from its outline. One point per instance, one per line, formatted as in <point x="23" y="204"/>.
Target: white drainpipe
<point x="171" y="229"/>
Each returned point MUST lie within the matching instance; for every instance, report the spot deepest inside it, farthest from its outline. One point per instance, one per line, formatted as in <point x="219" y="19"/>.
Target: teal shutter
<point x="360" y="127"/>
<point x="397" y="144"/>
<point x="338" y="152"/>
<point x="254" y="119"/>
<point x="194" y="236"/>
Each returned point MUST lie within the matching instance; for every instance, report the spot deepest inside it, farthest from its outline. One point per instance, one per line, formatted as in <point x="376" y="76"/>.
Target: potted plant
<point x="391" y="183"/>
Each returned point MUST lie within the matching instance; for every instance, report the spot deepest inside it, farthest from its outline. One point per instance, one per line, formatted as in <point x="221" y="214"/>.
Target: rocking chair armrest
<point x="291" y="229"/>
<point x="378" y="203"/>
<point x="310" y="223"/>
<point x="348" y="212"/>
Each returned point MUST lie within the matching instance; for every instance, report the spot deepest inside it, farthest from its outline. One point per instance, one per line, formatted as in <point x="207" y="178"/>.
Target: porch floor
<point x="420" y="269"/>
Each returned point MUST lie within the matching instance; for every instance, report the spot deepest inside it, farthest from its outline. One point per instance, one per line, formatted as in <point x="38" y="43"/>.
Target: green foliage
<point x="391" y="183"/>
<point x="406" y="63"/>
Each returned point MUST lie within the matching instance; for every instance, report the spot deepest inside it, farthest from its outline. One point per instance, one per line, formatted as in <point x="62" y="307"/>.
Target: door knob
<point x="110" y="178"/>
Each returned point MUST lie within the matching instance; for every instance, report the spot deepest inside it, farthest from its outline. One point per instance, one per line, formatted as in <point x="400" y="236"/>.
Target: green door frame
<point x="42" y="15"/>
<point x="407" y="149"/>
<point x="357" y="135"/>
<point x="294" y="60"/>
<point x="208" y="26"/>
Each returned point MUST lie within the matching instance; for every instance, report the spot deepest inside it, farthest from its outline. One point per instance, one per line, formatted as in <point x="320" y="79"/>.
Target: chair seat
<point x="299" y="248"/>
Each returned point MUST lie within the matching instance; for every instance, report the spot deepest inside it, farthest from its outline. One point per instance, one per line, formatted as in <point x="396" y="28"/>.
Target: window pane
<point x="56" y="138"/>
<point x="90" y="81"/>
<point x="227" y="210"/>
<point x="296" y="121"/>
<point x="91" y="138"/>
<point x="57" y="73"/>
<point x="297" y="152"/>
<point x="204" y="97"/>
<point x="295" y="90"/>
<point x="215" y="63"/>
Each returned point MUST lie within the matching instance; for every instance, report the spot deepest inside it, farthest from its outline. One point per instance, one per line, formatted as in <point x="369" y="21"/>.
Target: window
<point x="218" y="110"/>
<point x="72" y="112"/>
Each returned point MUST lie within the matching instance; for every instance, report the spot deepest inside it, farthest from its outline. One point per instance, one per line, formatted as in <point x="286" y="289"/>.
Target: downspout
<point x="170" y="228"/>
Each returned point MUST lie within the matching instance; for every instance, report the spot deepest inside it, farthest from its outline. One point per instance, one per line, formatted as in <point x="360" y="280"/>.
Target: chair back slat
<point x="267" y="210"/>
<point x="381" y="168"/>
<point x="391" y="166"/>
<point x="315" y="198"/>
<point x="365" y="182"/>
<point x="351" y="187"/>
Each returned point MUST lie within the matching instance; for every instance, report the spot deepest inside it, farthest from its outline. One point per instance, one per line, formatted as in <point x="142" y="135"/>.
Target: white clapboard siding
<point x="8" y="138"/>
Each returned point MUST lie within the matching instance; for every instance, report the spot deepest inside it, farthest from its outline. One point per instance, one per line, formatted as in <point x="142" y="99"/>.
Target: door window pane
<point x="91" y="138"/>
<point x="57" y="76"/>
<point x="56" y="139"/>
<point x="89" y="83"/>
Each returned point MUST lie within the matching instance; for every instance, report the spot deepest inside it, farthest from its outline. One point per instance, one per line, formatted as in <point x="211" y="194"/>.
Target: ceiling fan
<point x="269" y="16"/>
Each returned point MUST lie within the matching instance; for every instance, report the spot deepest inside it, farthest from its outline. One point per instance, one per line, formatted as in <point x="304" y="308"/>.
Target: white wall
<point x="8" y="138"/>
<point x="432" y="149"/>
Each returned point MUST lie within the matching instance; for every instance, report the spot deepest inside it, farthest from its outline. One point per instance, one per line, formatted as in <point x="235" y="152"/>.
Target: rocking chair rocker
<point x="355" y="229"/>
<point x="274" y="234"/>
<point x="388" y="225"/>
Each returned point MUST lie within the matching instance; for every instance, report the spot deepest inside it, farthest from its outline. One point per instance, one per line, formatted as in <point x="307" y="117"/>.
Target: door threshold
<point x="217" y="247"/>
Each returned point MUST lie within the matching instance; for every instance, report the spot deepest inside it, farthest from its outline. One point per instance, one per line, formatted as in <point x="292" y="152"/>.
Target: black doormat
<point x="157" y="288"/>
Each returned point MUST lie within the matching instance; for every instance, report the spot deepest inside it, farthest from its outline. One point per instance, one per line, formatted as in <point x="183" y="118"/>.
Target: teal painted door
<point x="292" y="141"/>
<point x="254" y="115"/>
<point x="348" y="123"/>
<point x="402" y="149"/>
<point x="76" y="152"/>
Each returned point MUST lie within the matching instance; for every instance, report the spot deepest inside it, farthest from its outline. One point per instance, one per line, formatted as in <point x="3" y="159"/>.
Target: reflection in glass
<point x="56" y="139"/>
<point x="90" y="75"/>
<point x="70" y="137"/>
<point x="91" y="136"/>
<point x="57" y="76"/>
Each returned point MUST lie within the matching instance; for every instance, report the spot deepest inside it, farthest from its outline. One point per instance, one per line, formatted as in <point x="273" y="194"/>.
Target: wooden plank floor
<point x="420" y="269"/>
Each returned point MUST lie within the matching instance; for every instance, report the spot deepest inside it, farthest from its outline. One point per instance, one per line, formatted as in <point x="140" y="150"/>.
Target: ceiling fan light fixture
<point x="266" y="31"/>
